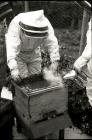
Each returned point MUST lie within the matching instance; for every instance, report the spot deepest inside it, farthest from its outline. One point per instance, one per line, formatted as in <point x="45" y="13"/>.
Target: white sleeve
<point x="51" y="43"/>
<point x="87" y="53"/>
<point x="12" y="43"/>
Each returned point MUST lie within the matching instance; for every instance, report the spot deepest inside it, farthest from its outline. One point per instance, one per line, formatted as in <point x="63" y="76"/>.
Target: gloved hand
<point x="78" y="70"/>
<point x="71" y="75"/>
<point x="15" y="75"/>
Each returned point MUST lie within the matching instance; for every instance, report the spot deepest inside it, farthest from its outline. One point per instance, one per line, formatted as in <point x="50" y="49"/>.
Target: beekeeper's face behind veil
<point x="35" y="41"/>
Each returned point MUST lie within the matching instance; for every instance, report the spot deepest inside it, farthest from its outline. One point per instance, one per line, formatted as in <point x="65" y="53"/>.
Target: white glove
<point x="71" y="75"/>
<point x="77" y="69"/>
<point x="5" y="93"/>
<point x="15" y="75"/>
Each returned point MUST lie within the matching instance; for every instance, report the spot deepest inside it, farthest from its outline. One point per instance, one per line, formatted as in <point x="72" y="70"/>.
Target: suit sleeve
<point x="12" y="44"/>
<point x="51" y="43"/>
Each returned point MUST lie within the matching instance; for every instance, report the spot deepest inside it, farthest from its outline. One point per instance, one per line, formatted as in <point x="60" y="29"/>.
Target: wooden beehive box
<point x="41" y="101"/>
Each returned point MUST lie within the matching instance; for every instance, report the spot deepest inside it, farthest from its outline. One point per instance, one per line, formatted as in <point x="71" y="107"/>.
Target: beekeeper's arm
<point x="87" y="53"/>
<point x="83" y="59"/>
<point x="51" y="43"/>
<point x="13" y="47"/>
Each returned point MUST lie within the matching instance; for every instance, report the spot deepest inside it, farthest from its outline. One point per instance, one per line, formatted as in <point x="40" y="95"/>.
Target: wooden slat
<point x="5" y="10"/>
<point x="3" y="4"/>
<point x="43" y="90"/>
<point x="5" y="14"/>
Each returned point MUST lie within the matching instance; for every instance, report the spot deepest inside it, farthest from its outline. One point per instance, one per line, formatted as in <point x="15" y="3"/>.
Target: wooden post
<point x="84" y="31"/>
<point x="26" y="6"/>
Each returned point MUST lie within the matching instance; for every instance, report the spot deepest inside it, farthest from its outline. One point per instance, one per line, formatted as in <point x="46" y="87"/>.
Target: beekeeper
<point x="85" y="59"/>
<point x="27" y="34"/>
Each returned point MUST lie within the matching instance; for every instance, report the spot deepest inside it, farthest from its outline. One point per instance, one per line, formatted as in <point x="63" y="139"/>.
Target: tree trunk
<point x="26" y="6"/>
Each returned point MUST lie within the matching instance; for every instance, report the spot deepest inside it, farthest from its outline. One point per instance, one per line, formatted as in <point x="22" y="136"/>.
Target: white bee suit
<point x="25" y="55"/>
<point x="86" y="59"/>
